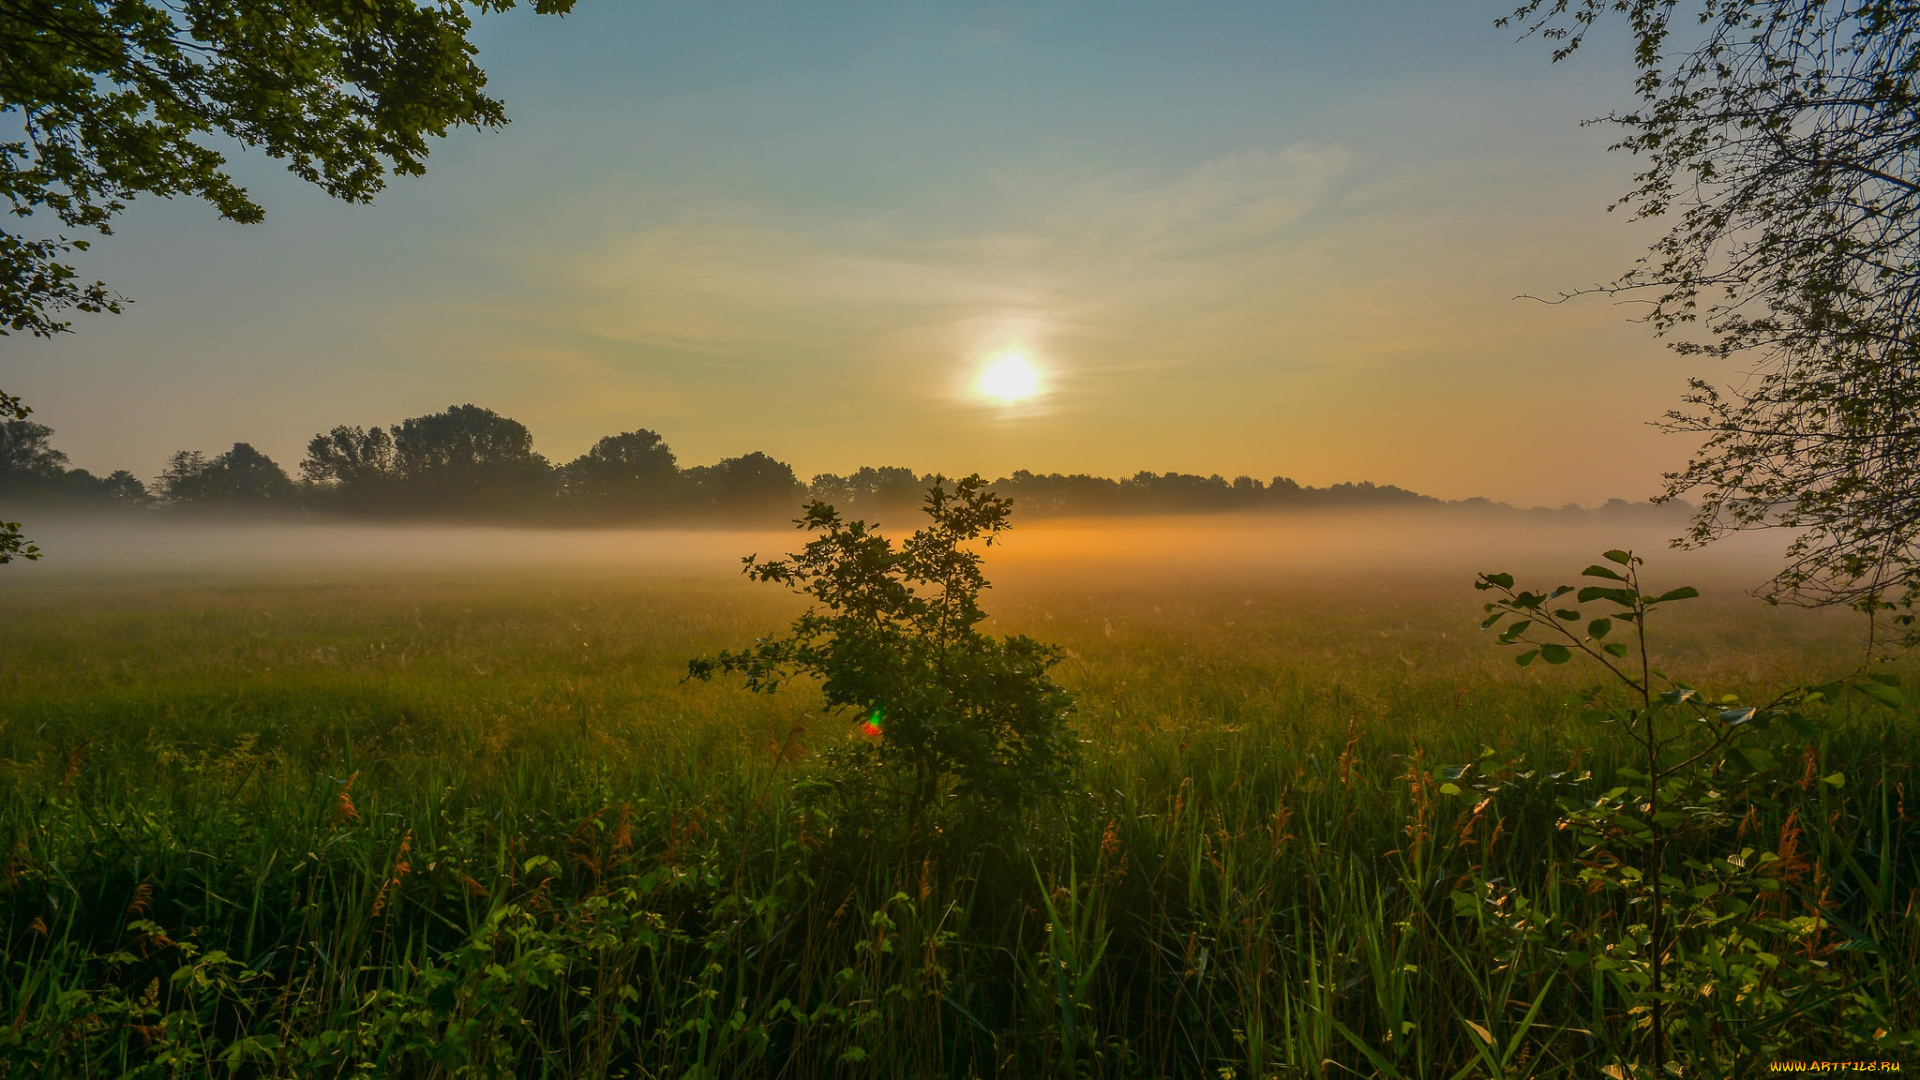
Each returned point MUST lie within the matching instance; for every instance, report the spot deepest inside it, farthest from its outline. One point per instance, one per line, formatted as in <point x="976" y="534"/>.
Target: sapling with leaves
<point x="894" y="640"/>
<point x="1694" y="772"/>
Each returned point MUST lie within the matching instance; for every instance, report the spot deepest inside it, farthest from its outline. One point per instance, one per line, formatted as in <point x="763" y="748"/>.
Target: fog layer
<point x="1088" y="552"/>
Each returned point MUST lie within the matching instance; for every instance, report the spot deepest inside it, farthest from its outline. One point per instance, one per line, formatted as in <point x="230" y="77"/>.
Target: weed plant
<point x="482" y="828"/>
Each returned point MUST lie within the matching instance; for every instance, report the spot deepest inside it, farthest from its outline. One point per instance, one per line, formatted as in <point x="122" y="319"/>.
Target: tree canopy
<point x="242" y="475"/>
<point x="748" y="485"/>
<point x="115" y="98"/>
<point x="1781" y="140"/>
<point x="632" y="474"/>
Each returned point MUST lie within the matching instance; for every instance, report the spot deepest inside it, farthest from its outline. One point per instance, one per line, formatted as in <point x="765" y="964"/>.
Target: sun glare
<point x="1010" y="379"/>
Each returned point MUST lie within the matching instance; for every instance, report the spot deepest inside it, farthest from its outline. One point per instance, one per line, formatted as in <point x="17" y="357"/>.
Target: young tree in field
<point x="894" y="640"/>
<point x="1782" y="141"/>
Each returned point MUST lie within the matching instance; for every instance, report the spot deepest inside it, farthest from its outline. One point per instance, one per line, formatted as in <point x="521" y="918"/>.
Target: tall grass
<point x="482" y="829"/>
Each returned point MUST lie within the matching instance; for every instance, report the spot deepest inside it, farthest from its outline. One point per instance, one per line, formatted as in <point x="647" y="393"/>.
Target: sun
<point x="1010" y="379"/>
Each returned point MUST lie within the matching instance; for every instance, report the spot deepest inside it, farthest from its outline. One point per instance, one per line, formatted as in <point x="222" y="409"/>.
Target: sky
<point x="1274" y="239"/>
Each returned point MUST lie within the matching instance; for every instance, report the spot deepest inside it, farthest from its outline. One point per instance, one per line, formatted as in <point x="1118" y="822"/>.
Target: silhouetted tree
<point x="752" y="485"/>
<point x="1172" y="493"/>
<point x="13" y="545"/>
<point x="32" y="470"/>
<point x="632" y="474"/>
<point x="868" y="490"/>
<point x="119" y="487"/>
<point x="351" y="467"/>
<point x="468" y="460"/>
<point x="27" y="455"/>
<point x="1056" y="493"/>
<point x="241" y="476"/>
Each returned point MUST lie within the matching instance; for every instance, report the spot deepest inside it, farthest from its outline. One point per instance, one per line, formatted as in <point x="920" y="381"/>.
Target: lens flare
<point x="1009" y="379"/>
<point x="875" y="722"/>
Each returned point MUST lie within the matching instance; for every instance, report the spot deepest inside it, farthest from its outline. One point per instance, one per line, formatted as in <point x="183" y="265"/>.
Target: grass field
<point x="392" y="818"/>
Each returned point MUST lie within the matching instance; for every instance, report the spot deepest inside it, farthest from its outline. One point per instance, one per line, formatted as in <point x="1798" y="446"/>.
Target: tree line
<point x="472" y="463"/>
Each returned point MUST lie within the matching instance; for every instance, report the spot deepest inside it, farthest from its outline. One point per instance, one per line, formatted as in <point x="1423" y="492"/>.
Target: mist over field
<point x="1118" y="552"/>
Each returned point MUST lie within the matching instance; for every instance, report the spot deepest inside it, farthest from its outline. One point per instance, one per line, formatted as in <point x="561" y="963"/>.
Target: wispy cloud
<point x="1081" y="265"/>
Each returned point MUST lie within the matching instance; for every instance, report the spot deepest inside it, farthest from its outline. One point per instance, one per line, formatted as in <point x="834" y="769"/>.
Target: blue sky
<point x="1279" y="238"/>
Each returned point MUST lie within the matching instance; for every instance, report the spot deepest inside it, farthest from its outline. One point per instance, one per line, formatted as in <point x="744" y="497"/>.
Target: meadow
<point x="302" y="805"/>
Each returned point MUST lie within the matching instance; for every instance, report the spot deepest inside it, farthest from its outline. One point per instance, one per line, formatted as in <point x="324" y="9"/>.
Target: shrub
<point x="894" y="641"/>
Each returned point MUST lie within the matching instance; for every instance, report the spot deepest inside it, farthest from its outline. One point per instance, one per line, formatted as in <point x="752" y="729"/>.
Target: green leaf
<point x="1624" y="597"/>
<point x="1599" y="628"/>
<point x="1802" y="725"/>
<point x="1883" y="678"/>
<point x="1617" y="556"/>
<point x="1567" y="614"/>
<point x="1449" y="789"/>
<point x="1555" y="654"/>
<point x="1504" y="581"/>
<point x="1684" y="592"/>
<point x="1882" y="693"/>
<point x="1615" y="648"/>
<point x="1675" y="697"/>
<point x="1526" y="658"/>
<point x="1596" y="570"/>
<point x="1834" y="780"/>
<point x="1487" y="623"/>
<point x="1596" y="717"/>
<point x="1736" y="717"/>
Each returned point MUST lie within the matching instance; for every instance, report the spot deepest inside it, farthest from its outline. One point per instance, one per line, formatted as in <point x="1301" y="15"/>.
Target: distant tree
<point x="241" y="476"/>
<point x="118" y="486"/>
<point x="12" y="544"/>
<point x="118" y="97"/>
<point x="349" y="455"/>
<point x="1283" y="490"/>
<point x="351" y="467"/>
<point x="468" y="460"/>
<point x="869" y="490"/>
<point x="831" y="489"/>
<point x="27" y="455"/>
<point x="1177" y="492"/>
<point x="752" y="485"/>
<point x="632" y="474"/>
<point x="1367" y="493"/>
<point x="1780" y="139"/>
<point x="31" y="468"/>
<point x="1055" y="493"/>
